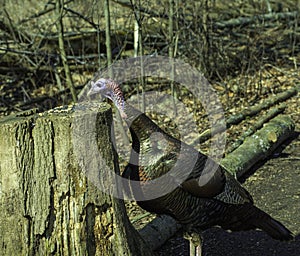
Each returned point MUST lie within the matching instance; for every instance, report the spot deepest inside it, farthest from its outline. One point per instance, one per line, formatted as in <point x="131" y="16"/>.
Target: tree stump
<point x="48" y="204"/>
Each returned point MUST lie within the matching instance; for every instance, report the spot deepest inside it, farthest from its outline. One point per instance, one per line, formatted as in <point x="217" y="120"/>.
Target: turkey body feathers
<point x="219" y="201"/>
<point x="226" y="203"/>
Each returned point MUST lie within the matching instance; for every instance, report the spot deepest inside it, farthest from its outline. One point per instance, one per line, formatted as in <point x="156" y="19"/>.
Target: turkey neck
<point x="141" y="126"/>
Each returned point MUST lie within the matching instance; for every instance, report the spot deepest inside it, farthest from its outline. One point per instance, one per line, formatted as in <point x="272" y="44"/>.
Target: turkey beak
<point x="91" y="92"/>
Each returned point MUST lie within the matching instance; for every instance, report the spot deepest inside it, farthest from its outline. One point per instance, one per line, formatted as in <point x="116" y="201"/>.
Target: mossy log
<point x="273" y="112"/>
<point x="259" y="146"/>
<point x="48" y="205"/>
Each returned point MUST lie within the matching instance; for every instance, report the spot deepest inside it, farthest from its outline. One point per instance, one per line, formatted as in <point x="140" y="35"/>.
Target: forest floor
<point x="274" y="184"/>
<point x="260" y="60"/>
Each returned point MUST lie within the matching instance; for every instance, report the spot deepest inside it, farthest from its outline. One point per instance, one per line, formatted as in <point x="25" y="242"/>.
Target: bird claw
<point x="195" y="240"/>
<point x="193" y="237"/>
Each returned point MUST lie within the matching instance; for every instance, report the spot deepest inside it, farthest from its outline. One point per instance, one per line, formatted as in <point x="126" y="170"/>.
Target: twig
<point x="82" y="17"/>
<point x="151" y="13"/>
<point x="139" y="217"/>
<point x="41" y="13"/>
<point x="59" y="10"/>
<point x="247" y="20"/>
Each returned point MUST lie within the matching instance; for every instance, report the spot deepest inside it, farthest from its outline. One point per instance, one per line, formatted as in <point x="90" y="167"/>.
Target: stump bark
<point x="49" y="204"/>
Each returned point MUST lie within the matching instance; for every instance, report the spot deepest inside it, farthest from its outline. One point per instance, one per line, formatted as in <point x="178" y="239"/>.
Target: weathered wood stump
<point x="49" y="205"/>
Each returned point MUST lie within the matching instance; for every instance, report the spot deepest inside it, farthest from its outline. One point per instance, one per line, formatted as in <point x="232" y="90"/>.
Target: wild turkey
<point x="221" y="201"/>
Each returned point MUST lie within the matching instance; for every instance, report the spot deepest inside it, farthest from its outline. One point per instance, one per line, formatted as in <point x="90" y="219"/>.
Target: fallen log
<point x="258" y="125"/>
<point x="247" y="112"/>
<point x="259" y="146"/>
<point x="255" y="148"/>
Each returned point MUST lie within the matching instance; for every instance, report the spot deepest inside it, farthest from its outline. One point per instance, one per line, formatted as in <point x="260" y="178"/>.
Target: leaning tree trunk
<point x="48" y="203"/>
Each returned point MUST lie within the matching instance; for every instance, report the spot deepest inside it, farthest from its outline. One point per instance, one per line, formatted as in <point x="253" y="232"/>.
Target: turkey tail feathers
<point x="272" y="227"/>
<point x="248" y="217"/>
